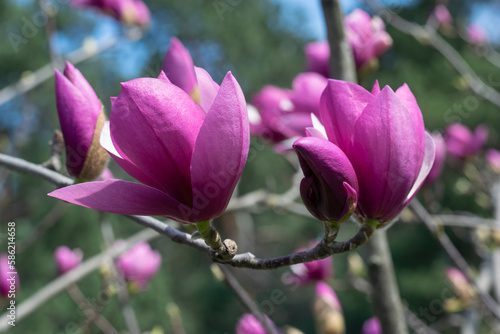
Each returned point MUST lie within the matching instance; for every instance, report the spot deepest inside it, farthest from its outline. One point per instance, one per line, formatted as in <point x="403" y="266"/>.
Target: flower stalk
<point x="224" y="250"/>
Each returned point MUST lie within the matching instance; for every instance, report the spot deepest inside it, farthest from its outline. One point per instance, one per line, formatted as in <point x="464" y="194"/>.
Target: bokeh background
<point x="261" y="42"/>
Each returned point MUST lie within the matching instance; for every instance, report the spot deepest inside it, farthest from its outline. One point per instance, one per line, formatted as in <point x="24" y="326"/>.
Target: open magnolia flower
<point x="126" y="11"/>
<point x="381" y="138"/>
<point x="187" y="158"/>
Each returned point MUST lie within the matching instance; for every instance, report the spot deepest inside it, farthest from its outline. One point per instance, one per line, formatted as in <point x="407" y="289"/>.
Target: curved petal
<point x="340" y="106"/>
<point x="208" y="88"/>
<point x="155" y="125"/>
<point x="122" y="197"/>
<point x="406" y="96"/>
<point x="385" y="155"/>
<point x="221" y="151"/>
<point x="307" y="90"/>
<point x="178" y="66"/>
<point x="123" y="161"/>
<point x="327" y="171"/>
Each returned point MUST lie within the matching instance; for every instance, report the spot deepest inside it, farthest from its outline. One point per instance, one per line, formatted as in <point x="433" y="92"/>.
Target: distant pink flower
<point x="462" y="143"/>
<point x="439" y="159"/>
<point x="9" y="279"/>
<point x="67" y="259"/>
<point x="139" y="264"/>
<point x="442" y="15"/>
<point x="188" y="159"/>
<point x="328" y="311"/>
<point x="313" y="271"/>
<point x="285" y="113"/>
<point x="493" y="159"/>
<point x="126" y="11"/>
<point x="249" y="324"/>
<point x="476" y="34"/>
<point x="372" y="326"/>
<point x="318" y="57"/>
<point x="325" y="292"/>
<point x="366" y="35"/>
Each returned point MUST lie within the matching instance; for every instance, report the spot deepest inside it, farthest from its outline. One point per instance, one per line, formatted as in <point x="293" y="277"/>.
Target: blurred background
<point x="261" y="42"/>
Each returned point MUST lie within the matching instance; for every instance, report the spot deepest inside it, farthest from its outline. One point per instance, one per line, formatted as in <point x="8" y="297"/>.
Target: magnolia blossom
<point x="67" y="259"/>
<point x="462" y="143"/>
<point x="9" y="282"/>
<point x="187" y="157"/>
<point x="285" y="113"/>
<point x="366" y="35"/>
<point x="328" y="311"/>
<point x="127" y="11"/>
<point x="382" y="135"/>
<point x="476" y="34"/>
<point x="313" y="271"/>
<point x="442" y="15"/>
<point x="249" y="324"/>
<point x="372" y="326"/>
<point x="318" y="58"/>
<point x="439" y="159"/>
<point x="139" y="264"/>
<point x="82" y="118"/>
<point x="493" y="159"/>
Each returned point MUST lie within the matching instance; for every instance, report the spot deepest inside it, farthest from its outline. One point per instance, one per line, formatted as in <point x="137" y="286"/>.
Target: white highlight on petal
<point x="318" y="126"/>
<point x="253" y="115"/>
<point x="430" y="152"/>
<point x="286" y="105"/>
<point x="106" y="142"/>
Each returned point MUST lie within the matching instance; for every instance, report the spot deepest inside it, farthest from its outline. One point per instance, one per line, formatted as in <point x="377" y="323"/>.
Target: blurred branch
<point x="430" y="36"/>
<point x="325" y="248"/>
<point x="89" y="49"/>
<point x="495" y="256"/>
<point x="466" y="221"/>
<point x="244" y="298"/>
<point x="62" y="282"/>
<point x="385" y="291"/>
<point x="454" y="254"/>
<point x="95" y="317"/>
<point x="341" y="59"/>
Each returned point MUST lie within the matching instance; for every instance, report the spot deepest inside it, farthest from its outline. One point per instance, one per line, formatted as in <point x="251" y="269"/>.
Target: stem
<point x="224" y="250"/>
<point x="341" y="59"/>
<point x="385" y="291"/>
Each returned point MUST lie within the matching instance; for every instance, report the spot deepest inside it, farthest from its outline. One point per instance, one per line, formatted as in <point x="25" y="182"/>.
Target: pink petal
<point x="221" y="151"/>
<point x="208" y="88"/>
<point x="385" y="155"/>
<point x="155" y="125"/>
<point x="122" y="197"/>
<point x="178" y="66"/>
<point x="340" y="106"/>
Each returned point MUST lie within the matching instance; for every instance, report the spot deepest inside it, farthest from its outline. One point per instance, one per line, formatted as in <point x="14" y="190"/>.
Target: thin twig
<point x="426" y="33"/>
<point x="245" y="298"/>
<point x="62" y="282"/>
<point x="453" y="253"/>
<point x="325" y="248"/>
<point x="30" y="81"/>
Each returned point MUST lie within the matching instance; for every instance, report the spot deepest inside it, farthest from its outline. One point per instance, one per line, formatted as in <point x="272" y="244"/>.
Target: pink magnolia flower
<point x="139" y="264"/>
<point x="328" y="311"/>
<point x="313" y="271"/>
<point x="127" y="11"/>
<point x="439" y="159"/>
<point x="462" y="143"/>
<point x="366" y="35"/>
<point x="249" y="324"/>
<point x="188" y="159"/>
<point x="284" y="113"/>
<point x="382" y="135"/>
<point x="318" y="57"/>
<point x="493" y="159"/>
<point x="81" y="116"/>
<point x="442" y="15"/>
<point x="9" y="279"/>
<point x="460" y="284"/>
<point x="372" y="326"/>
<point x="67" y="259"/>
<point x="476" y="34"/>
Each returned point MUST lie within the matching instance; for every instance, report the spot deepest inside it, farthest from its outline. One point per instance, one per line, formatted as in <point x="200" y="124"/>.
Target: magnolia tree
<point x="180" y="142"/>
